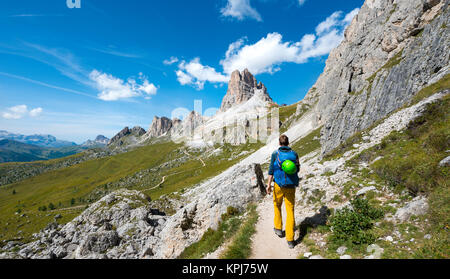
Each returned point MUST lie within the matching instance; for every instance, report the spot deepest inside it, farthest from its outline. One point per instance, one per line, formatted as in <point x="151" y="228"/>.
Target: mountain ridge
<point x="40" y="140"/>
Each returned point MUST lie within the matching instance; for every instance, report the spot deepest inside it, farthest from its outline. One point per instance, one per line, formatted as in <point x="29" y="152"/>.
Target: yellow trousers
<point x="288" y="194"/>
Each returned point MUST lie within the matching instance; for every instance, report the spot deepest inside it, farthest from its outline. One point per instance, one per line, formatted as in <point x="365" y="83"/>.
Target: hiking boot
<point x="291" y="244"/>
<point x="279" y="233"/>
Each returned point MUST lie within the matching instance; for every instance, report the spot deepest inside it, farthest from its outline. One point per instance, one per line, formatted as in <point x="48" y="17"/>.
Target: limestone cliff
<point x="391" y="50"/>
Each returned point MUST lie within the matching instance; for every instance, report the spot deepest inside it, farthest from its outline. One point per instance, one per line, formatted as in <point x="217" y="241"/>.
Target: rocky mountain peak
<point x="159" y="126"/>
<point x="101" y="139"/>
<point x="119" y="139"/>
<point x="241" y="88"/>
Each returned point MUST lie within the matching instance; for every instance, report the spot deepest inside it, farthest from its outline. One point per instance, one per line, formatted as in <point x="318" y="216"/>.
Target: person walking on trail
<point x="283" y="171"/>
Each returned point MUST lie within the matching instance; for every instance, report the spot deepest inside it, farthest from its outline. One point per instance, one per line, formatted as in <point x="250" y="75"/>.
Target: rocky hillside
<point x="124" y="224"/>
<point x="391" y="50"/>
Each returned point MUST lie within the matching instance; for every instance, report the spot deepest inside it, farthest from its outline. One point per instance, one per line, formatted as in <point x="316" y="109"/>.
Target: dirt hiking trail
<point x="267" y="245"/>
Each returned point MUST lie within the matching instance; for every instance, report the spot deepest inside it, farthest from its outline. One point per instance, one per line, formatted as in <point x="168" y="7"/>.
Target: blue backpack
<point x="281" y="178"/>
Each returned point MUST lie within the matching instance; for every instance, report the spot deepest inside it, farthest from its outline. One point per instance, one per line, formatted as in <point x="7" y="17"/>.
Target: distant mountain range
<point x="14" y="151"/>
<point x="38" y="140"/>
<point x="21" y="148"/>
<point x="100" y="141"/>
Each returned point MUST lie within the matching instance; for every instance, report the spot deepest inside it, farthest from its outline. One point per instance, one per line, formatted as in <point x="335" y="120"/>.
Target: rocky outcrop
<point x="159" y="126"/>
<point x="241" y="88"/>
<point x="124" y="225"/>
<point x="391" y="50"/>
<point x="183" y="130"/>
<point x="127" y="136"/>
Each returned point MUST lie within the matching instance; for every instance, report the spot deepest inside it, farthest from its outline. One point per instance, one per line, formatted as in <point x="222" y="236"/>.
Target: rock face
<point x="124" y="225"/>
<point x="241" y="88"/>
<point x="159" y="126"/>
<point x="391" y="50"/>
<point x="127" y="136"/>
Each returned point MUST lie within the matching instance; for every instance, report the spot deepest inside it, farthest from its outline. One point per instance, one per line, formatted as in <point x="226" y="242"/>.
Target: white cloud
<point x="36" y="112"/>
<point x="20" y="111"/>
<point x="349" y="17"/>
<point x="267" y="54"/>
<point x="113" y="89"/>
<point x="301" y="2"/>
<point x="331" y="22"/>
<point x="240" y="9"/>
<point x="196" y="74"/>
<point x="170" y="61"/>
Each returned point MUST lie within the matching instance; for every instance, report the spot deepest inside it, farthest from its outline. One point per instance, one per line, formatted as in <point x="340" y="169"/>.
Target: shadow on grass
<point x="319" y="219"/>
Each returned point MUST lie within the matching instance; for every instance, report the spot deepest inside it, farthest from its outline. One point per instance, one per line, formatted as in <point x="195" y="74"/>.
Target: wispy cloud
<point x="20" y="111"/>
<point x="115" y="52"/>
<point x="47" y="85"/>
<point x="170" y="61"/>
<point x="114" y="89"/>
<point x="240" y="10"/>
<point x="36" y="15"/>
<point x="111" y="88"/>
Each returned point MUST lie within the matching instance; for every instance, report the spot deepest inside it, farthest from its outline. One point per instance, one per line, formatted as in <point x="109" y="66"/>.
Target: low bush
<point x="354" y="224"/>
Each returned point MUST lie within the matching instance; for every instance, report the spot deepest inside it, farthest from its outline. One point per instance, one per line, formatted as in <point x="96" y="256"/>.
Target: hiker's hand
<point x="268" y="190"/>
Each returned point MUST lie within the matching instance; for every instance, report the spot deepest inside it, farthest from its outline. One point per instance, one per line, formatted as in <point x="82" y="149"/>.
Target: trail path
<point x="198" y="158"/>
<point x="267" y="245"/>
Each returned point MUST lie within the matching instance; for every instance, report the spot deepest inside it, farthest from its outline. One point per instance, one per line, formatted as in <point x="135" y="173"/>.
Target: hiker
<point x="283" y="171"/>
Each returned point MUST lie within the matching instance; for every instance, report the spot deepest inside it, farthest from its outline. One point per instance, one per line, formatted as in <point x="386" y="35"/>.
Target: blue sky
<point x="76" y="73"/>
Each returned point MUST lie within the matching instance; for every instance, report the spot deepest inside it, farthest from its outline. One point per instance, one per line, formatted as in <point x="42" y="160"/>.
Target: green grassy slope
<point x="61" y="186"/>
<point x="70" y="189"/>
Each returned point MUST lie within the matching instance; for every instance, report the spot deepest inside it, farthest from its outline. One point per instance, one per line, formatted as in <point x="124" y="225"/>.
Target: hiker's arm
<point x="297" y="163"/>
<point x="269" y="184"/>
<point x="270" y="178"/>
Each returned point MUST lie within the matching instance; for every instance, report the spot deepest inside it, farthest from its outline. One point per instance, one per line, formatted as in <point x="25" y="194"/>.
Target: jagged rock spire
<point x="241" y="88"/>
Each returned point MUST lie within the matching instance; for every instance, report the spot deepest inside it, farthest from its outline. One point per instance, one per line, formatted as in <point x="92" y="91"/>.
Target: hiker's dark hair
<point x="284" y="140"/>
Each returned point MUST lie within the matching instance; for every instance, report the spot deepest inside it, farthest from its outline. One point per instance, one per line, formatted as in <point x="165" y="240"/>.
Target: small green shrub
<point x="354" y="224"/>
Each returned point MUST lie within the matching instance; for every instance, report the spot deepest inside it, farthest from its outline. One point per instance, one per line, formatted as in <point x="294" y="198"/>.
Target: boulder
<point x="418" y="206"/>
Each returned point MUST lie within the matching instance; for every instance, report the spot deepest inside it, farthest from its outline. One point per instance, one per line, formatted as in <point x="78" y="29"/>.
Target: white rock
<point x="341" y="250"/>
<point x="418" y="206"/>
<point x="316" y="257"/>
<point x="364" y="190"/>
<point x="389" y="238"/>
<point x="307" y="254"/>
<point x="345" y="257"/>
<point x="445" y="162"/>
